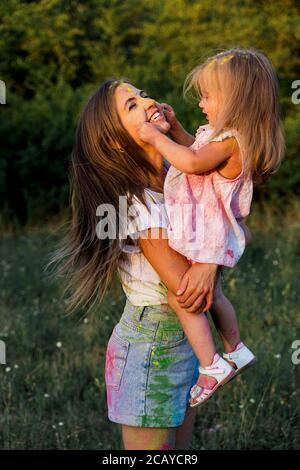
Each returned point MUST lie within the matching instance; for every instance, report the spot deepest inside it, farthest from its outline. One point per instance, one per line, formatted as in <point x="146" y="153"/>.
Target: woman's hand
<point x="197" y="285"/>
<point x="197" y="307"/>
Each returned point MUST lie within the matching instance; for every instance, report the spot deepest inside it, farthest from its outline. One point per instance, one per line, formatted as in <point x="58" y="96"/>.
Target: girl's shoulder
<point x="206" y="132"/>
<point x="225" y="134"/>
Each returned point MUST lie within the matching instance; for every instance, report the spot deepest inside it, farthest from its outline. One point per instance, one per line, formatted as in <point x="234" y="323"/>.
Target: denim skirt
<point x="150" y="368"/>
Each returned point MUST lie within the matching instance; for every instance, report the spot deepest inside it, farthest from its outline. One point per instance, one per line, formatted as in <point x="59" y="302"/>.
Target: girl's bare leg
<point x="197" y="329"/>
<point x="198" y="332"/>
<point x="224" y="318"/>
<point x="138" y="438"/>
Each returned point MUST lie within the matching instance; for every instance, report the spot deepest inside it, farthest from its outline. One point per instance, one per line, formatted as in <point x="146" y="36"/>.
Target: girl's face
<point x="135" y="107"/>
<point x="210" y="106"/>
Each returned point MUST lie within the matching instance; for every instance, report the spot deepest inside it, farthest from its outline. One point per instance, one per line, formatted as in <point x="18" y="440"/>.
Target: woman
<point x="150" y="366"/>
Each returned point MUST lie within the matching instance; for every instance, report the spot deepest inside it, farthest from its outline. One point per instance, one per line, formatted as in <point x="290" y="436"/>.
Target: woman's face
<point x="135" y="107"/>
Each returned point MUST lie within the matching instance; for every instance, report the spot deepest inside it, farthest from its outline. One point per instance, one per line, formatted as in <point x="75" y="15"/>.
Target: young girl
<point x="208" y="190"/>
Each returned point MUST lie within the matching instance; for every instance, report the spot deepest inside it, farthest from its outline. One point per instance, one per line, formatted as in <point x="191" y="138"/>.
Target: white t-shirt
<point x="141" y="283"/>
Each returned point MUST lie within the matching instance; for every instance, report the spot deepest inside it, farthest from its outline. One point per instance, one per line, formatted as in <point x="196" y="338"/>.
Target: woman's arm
<point x="208" y="157"/>
<point x="196" y="282"/>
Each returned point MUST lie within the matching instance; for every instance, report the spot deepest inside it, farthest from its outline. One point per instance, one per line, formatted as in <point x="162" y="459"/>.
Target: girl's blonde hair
<point x="246" y="84"/>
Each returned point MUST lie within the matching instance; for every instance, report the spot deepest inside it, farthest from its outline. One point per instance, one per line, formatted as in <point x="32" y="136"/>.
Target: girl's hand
<point x="147" y="132"/>
<point x="197" y="285"/>
<point x="169" y="114"/>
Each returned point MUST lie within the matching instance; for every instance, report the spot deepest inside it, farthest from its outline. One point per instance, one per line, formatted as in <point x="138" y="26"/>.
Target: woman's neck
<point x="157" y="182"/>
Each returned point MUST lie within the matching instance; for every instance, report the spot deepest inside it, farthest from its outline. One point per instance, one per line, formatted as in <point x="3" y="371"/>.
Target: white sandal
<point x="219" y="370"/>
<point x="242" y="358"/>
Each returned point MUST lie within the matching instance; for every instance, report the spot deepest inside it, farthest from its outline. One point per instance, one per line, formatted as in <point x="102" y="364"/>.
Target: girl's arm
<point x="177" y="131"/>
<point x="197" y="283"/>
<point x="207" y="158"/>
<point x="180" y="135"/>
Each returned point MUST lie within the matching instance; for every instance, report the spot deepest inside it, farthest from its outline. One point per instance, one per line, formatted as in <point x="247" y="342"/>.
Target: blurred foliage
<point x="55" y="52"/>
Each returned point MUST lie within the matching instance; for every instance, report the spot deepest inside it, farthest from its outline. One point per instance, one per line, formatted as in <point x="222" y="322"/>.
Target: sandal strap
<point x="233" y="355"/>
<point x="211" y="370"/>
<point x="204" y="392"/>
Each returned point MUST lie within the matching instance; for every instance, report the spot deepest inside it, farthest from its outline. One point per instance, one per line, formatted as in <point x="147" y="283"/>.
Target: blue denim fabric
<point x="150" y="368"/>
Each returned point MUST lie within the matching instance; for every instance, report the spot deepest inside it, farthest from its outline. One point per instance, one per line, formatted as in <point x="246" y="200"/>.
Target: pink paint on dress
<point x="203" y="210"/>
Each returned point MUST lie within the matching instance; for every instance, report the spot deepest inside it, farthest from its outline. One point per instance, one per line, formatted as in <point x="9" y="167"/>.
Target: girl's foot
<point x="240" y="359"/>
<point x="210" y="379"/>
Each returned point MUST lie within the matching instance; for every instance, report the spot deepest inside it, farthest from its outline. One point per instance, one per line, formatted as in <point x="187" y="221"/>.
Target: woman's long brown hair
<point x="106" y="163"/>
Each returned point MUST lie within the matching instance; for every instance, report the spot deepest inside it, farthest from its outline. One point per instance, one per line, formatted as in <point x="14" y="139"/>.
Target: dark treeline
<point x="55" y="52"/>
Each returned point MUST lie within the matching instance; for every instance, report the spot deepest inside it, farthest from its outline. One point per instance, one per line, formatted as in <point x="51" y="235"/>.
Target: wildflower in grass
<point x="241" y="405"/>
<point x="7" y="369"/>
<point x="275" y="262"/>
<point x="106" y="317"/>
<point x="277" y="356"/>
<point x="59" y="344"/>
<point x="46" y="395"/>
<point x="16" y="366"/>
<point x="53" y="425"/>
<point x="211" y="430"/>
<point x="252" y="400"/>
<point x="60" y="423"/>
<point x="85" y="320"/>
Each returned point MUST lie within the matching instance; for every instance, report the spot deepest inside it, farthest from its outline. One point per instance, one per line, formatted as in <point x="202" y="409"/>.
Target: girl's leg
<point x="224" y="318"/>
<point x="198" y="332"/>
<point x="197" y="329"/>
<point x="138" y="438"/>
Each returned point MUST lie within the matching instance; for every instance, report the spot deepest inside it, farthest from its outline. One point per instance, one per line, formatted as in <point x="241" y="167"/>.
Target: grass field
<point x="52" y="392"/>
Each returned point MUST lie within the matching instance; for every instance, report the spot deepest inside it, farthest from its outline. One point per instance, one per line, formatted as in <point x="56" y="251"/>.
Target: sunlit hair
<point x="244" y="83"/>
<point x="106" y="163"/>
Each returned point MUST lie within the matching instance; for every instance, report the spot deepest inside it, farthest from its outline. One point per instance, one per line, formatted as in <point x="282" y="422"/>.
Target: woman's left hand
<point x="198" y="282"/>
